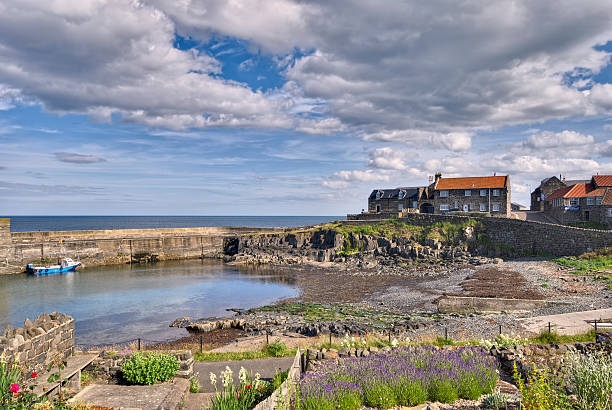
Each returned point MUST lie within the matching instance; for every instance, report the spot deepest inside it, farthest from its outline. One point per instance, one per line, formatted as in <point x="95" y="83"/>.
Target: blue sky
<point x="283" y="108"/>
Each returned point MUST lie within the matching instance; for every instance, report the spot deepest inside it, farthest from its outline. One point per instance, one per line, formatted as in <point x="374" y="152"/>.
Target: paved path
<point x="158" y="396"/>
<point x="566" y="323"/>
<point x="267" y="368"/>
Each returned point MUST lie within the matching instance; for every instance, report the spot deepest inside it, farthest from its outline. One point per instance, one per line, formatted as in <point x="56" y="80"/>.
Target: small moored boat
<point x="67" y="265"/>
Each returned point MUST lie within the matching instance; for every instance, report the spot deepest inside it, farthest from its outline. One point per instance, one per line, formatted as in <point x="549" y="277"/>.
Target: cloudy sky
<point x="280" y="107"/>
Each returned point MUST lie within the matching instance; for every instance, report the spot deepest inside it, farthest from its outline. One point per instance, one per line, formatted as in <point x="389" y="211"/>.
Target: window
<point x="573" y="201"/>
<point x="483" y="207"/>
<point x="378" y="194"/>
<point x="472" y="207"/>
<point x="590" y="201"/>
<point x="598" y="200"/>
<point x="609" y="212"/>
<point x="496" y="207"/>
<point x="402" y="194"/>
<point x="483" y="192"/>
<point x="415" y="204"/>
<point x="496" y="192"/>
<point x="444" y="207"/>
<point x="456" y="204"/>
<point x="400" y="207"/>
<point x="468" y="192"/>
<point x="443" y="194"/>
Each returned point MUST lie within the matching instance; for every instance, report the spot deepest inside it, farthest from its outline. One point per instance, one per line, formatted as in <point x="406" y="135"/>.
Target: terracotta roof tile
<point x="607" y="199"/>
<point x="472" y="182"/>
<point x="603" y="180"/>
<point x="576" y="191"/>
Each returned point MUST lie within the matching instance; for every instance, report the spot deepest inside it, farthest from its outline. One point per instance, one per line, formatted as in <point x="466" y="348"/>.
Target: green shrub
<point x="442" y="391"/>
<point x="546" y="337"/>
<point x="590" y="378"/>
<point x="379" y="395"/>
<point x="150" y="368"/>
<point x="194" y="385"/>
<point x="469" y="388"/>
<point x="495" y="401"/>
<point x="276" y="349"/>
<point x="410" y="393"/>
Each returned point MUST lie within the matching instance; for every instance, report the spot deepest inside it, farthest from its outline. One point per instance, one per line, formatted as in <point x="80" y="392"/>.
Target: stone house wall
<point x="546" y="188"/>
<point x="389" y="205"/>
<point x="457" y="200"/>
<point x="41" y="342"/>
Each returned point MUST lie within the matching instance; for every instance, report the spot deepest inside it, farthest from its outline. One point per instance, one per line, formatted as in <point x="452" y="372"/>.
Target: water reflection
<point x="116" y="303"/>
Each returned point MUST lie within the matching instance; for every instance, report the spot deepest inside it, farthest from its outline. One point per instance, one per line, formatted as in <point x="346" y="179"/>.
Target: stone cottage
<point x="582" y="202"/>
<point x="489" y="194"/>
<point x="395" y="200"/>
<point x="548" y="186"/>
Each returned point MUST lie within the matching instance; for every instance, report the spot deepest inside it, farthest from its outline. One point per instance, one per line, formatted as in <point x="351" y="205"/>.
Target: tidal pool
<point x="113" y="304"/>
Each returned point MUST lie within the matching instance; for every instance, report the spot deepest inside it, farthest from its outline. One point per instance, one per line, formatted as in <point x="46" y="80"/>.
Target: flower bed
<point x="405" y="376"/>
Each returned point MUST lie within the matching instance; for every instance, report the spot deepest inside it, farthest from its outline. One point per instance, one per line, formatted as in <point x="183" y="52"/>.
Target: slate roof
<point x="393" y="193"/>
<point x="472" y="182"/>
<point x="603" y="180"/>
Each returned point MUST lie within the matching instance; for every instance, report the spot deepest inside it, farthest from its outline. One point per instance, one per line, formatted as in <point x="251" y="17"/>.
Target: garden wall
<point x="281" y="397"/>
<point x="39" y="343"/>
<point x="108" y="364"/>
<point x="516" y="237"/>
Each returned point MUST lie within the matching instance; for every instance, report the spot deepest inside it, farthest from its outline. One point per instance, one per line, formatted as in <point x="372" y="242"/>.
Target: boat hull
<point x="51" y="270"/>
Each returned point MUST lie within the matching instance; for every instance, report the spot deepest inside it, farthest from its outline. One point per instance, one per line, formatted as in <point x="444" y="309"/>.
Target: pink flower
<point x="14" y="387"/>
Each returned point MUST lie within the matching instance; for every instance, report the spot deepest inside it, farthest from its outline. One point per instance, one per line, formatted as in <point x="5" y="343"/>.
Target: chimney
<point x="437" y="177"/>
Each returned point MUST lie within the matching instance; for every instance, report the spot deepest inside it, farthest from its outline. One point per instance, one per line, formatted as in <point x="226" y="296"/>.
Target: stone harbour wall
<point x="40" y="342"/>
<point x="113" y="246"/>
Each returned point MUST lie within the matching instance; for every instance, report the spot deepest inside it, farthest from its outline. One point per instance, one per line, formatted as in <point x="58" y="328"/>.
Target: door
<point x="377" y="208"/>
<point x="466" y="208"/>
<point x="586" y="215"/>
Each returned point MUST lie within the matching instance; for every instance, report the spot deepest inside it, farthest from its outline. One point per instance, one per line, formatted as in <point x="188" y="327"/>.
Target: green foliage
<point x="410" y="393"/>
<point x="495" y="401"/>
<point x="441" y="341"/>
<point x="379" y="395"/>
<point x="278" y="379"/>
<point x="442" y="391"/>
<point x="539" y="391"/>
<point x="588" y="262"/>
<point x="194" y="384"/>
<point x="248" y="393"/>
<point x="150" y="368"/>
<point x="276" y="349"/>
<point x="590" y="379"/>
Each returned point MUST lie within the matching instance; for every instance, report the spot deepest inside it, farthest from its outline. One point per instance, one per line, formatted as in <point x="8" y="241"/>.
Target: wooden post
<point x="500" y="330"/>
<point x="446" y="333"/>
<point x="595" y="330"/>
<point x="549" y="328"/>
<point x="330" y="345"/>
<point x="138" y="343"/>
<point x="201" y="343"/>
<point x="267" y="341"/>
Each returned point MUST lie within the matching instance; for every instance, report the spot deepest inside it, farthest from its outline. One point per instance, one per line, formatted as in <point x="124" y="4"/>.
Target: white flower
<point x="257" y="381"/>
<point x="243" y="376"/>
<point x="394" y="342"/>
<point x="227" y="377"/>
<point x="213" y="379"/>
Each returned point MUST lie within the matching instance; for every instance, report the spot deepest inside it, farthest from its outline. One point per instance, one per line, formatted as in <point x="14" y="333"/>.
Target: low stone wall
<point x="513" y="237"/>
<point x="467" y="304"/>
<point x="39" y="343"/>
<point x="108" y="364"/>
<point x="281" y="397"/>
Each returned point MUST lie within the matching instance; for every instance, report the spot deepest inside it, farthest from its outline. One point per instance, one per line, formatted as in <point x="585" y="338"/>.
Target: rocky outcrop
<point x="349" y="250"/>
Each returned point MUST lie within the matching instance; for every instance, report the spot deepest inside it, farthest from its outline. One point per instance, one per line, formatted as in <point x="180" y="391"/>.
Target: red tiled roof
<point x="559" y="193"/>
<point x="607" y="199"/>
<point x="576" y="191"/>
<point x="472" y="182"/>
<point x="603" y="180"/>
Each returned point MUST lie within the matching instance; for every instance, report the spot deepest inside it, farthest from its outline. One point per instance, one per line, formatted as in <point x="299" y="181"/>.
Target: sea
<point x="75" y="223"/>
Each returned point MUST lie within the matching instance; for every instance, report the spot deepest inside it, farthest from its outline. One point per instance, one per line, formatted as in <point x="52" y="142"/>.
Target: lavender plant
<point x="405" y="376"/>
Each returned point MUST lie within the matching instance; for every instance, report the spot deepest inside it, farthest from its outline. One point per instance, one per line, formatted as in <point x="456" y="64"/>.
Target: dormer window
<point x="402" y="194"/>
<point x="598" y="200"/>
<point x="378" y="194"/>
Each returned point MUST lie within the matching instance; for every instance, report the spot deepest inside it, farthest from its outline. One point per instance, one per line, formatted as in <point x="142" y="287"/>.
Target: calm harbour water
<point x="116" y="303"/>
<point x="71" y="223"/>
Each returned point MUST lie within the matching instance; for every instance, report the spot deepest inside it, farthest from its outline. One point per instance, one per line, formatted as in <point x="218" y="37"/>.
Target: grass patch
<point x="591" y="263"/>
<point x="546" y="337"/>
<point x="247" y="355"/>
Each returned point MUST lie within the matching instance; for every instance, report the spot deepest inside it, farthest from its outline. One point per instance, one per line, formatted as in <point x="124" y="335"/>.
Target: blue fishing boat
<point x="67" y="265"/>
